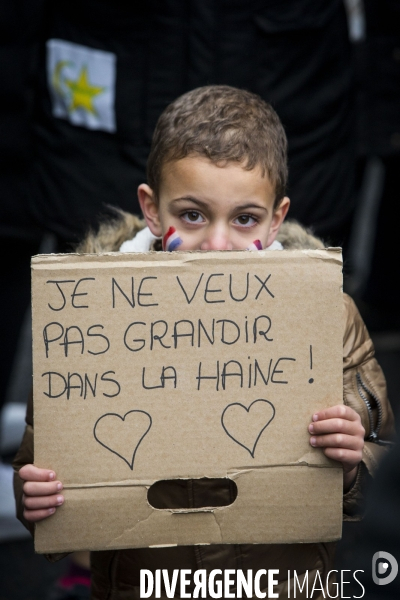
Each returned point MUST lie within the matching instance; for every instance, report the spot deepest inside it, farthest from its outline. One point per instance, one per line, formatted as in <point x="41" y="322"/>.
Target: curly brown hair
<point x="223" y="124"/>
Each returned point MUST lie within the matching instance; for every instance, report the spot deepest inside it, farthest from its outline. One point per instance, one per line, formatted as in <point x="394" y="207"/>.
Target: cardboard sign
<point x="164" y="366"/>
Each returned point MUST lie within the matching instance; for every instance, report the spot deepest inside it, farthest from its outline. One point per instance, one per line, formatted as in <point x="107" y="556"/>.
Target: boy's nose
<point x="217" y="239"/>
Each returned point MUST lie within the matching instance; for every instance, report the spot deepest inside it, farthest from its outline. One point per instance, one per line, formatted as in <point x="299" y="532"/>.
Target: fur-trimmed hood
<point x="125" y="226"/>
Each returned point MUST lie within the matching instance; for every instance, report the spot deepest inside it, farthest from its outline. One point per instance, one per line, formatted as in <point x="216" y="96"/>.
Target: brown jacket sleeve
<point x="364" y="389"/>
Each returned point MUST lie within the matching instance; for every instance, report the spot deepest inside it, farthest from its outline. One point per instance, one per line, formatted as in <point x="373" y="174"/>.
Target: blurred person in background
<point x="378" y="117"/>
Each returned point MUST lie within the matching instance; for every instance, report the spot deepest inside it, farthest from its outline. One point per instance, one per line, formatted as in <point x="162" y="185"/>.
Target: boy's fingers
<point x="337" y="440"/>
<point x="337" y="425"/>
<point x="32" y="473"/>
<point x="349" y="458"/>
<point x="38" y="515"/>
<point x="42" y="502"/>
<point x="34" y="488"/>
<point x="340" y="411"/>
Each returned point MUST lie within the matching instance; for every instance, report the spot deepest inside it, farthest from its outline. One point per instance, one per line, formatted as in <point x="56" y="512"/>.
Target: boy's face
<point x="212" y="207"/>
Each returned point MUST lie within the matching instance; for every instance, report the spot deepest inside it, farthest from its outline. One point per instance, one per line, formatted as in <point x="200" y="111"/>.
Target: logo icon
<point x="384" y="568"/>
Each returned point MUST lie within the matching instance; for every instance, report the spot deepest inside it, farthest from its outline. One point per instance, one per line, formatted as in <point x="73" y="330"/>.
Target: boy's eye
<point x="245" y="220"/>
<point x="192" y="216"/>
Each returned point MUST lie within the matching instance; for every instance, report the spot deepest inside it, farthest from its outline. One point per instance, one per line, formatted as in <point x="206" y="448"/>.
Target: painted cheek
<point x="171" y="240"/>
<point x="256" y="245"/>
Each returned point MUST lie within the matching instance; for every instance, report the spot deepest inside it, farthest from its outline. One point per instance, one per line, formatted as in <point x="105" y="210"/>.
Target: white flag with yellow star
<point x="81" y="81"/>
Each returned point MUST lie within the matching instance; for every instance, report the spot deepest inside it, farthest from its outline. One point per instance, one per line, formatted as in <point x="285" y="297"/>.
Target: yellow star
<point x="83" y="92"/>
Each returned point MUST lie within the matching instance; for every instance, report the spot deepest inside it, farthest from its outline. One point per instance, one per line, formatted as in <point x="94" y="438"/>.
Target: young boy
<point x="216" y="181"/>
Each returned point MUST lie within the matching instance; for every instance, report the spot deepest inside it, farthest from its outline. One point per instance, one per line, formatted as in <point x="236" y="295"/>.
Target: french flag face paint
<point x="256" y="245"/>
<point x="171" y="240"/>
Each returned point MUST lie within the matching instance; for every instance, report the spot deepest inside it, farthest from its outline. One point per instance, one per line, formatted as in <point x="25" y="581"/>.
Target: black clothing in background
<point x="294" y="54"/>
<point x="20" y="22"/>
<point x="378" y="113"/>
<point x="378" y="73"/>
<point x="19" y="235"/>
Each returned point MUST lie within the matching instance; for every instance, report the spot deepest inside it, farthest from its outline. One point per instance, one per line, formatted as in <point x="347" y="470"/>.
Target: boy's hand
<point x="339" y="432"/>
<point x="41" y="492"/>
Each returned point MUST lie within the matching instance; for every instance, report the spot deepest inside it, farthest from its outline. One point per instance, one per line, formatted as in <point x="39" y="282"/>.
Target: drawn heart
<point x="123" y="435"/>
<point x="246" y="425"/>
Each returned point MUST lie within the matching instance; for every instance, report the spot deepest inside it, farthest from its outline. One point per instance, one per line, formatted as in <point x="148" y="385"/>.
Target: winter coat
<point x="115" y="573"/>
